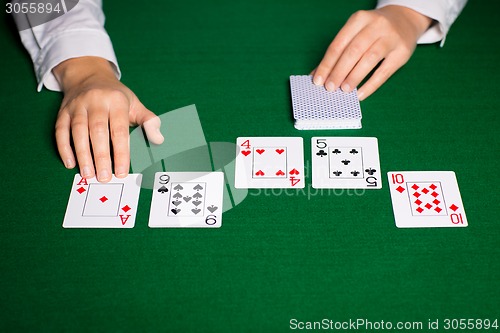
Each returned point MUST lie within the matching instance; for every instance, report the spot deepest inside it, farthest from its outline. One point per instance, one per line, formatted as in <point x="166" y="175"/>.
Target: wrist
<point x="75" y="71"/>
<point x="419" y="22"/>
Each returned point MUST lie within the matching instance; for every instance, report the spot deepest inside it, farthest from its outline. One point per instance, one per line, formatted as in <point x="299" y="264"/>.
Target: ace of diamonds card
<point x="426" y="199"/>
<point x="269" y="162"/>
<point x="103" y="205"/>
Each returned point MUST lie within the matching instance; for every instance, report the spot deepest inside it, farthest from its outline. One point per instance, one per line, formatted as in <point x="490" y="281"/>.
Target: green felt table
<point x="276" y="257"/>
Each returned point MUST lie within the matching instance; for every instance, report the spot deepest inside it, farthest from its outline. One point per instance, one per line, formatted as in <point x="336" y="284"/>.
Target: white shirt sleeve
<point x="79" y="32"/>
<point x="444" y="12"/>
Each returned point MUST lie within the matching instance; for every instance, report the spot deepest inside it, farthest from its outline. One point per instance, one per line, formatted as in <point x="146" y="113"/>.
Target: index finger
<point x="119" y="131"/>
<point x="353" y="26"/>
<point x="99" y="136"/>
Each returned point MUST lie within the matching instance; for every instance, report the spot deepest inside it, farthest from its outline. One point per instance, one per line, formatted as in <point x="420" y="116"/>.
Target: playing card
<point x="426" y="199"/>
<point x="314" y="107"/>
<point x="345" y="162"/>
<point x="187" y="200"/>
<point x="269" y="162"/>
<point x="103" y="205"/>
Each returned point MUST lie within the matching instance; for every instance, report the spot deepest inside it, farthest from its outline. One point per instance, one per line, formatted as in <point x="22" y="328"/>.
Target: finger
<point x="352" y="54"/>
<point x="365" y="65"/>
<point x="99" y="136"/>
<point x="119" y="129"/>
<point x="63" y="139"/>
<point x="80" y="133"/>
<point x="388" y="67"/>
<point x="352" y="27"/>
<point x="152" y="129"/>
<point x="150" y="122"/>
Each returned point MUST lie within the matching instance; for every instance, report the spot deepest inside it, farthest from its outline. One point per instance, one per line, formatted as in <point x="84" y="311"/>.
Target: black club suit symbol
<point x="321" y="153"/>
<point x="370" y="171"/>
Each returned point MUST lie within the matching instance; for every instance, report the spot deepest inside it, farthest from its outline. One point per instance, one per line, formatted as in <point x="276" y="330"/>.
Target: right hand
<point x="97" y="107"/>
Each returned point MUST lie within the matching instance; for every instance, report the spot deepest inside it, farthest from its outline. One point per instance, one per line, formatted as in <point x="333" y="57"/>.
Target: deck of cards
<point x="420" y="199"/>
<point x="316" y="108"/>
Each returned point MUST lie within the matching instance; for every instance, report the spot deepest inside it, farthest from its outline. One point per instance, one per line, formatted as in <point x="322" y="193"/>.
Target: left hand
<point x="388" y="34"/>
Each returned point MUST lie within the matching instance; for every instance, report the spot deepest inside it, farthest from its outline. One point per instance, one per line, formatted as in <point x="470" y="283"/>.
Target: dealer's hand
<point x="388" y="34"/>
<point x="97" y="108"/>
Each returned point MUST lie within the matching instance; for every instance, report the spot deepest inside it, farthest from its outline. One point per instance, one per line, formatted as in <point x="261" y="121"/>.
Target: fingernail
<point x="120" y="172"/>
<point x="103" y="175"/>
<point x="330" y="86"/>
<point x="318" y="80"/>
<point x="85" y="172"/>
<point x="346" y="87"/>
<point x="159" y="137"/>
<point x="360" y="95"/>
<point x="69" y="163"/>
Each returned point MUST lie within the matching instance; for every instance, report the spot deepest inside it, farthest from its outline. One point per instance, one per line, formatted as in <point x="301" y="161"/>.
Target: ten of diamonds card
<point x="426" y="199"/>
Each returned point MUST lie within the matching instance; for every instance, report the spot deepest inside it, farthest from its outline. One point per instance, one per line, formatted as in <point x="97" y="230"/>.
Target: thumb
<point x="150" y="122"/>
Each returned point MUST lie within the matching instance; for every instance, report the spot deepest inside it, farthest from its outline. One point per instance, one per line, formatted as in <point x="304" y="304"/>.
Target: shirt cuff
<point x="432" y="9"/>
<point x="72" y="44"/>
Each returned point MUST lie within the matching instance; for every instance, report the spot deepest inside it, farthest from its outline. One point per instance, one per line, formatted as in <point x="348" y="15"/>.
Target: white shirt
<point x="444" y="12"/>
<point x="80" y="32"/>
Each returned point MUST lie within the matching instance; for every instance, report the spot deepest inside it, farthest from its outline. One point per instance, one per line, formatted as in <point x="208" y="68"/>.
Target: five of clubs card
<point x="103" y="205"/>
<point x="426" y="199"/>
<point x="187" y="200"/>
<point x="345" y="162"/>
<point x="269" y="162"/>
